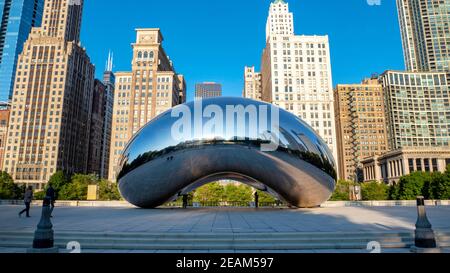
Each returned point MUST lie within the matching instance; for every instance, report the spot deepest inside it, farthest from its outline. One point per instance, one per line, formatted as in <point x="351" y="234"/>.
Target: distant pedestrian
<point x="27" y="200"/>
<point x="52" y="196"/>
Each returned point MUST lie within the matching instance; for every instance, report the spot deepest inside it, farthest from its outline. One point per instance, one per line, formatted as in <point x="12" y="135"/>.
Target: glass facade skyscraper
<point x="425" y="29"/>
<point x="17" y="18"/>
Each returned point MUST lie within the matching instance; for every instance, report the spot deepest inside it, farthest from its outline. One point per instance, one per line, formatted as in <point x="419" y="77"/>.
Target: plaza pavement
<point x="217" y="220"/>
<point x="226" y="220"/>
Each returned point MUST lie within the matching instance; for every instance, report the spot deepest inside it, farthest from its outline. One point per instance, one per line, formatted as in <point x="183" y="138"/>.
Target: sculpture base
<point x="43" y="250"/>
<point x="420" y="250"/>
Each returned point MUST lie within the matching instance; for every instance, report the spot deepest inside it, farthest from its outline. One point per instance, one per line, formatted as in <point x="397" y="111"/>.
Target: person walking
<point x="27" y="199"/>
<point x="52" y="196"/>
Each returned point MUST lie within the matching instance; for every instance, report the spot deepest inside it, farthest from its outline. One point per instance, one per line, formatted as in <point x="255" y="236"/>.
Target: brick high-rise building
<point x="360" y="125"/>
<point x="208" y="90"/>
<point x="52" y="99"/>
<point x="252" y="84"/>
<point x="4" y="120"/>
<point x="151" y="88"/>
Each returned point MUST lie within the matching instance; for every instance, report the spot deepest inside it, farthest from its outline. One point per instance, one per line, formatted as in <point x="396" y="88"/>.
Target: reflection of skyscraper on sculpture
<point x="296" y="73"/>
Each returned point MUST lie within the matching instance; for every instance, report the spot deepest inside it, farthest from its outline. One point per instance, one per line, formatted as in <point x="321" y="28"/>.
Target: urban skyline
<point x="295" y="74"/>
<point x="377" y="31"/>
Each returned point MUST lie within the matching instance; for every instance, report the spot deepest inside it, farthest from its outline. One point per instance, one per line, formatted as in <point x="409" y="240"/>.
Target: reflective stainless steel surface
<point x="158" y="166"/>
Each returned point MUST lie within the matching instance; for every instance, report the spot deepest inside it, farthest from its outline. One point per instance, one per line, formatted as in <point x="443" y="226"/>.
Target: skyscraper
<point x="52" y="99"/>
<point x="17" y="18"/>
<point x="417" y="109"/>
<point x="360" y="125"/>
<point x="208" y="90"/>
<point x="151" y="88"/>
<point x="4" y="120"/>
<point x="296" y="73"/>
<point x="109" y="80"/>
<point x="424" y="26"/>
<point x="96" y="133"/>
<point x="252" y="84"/>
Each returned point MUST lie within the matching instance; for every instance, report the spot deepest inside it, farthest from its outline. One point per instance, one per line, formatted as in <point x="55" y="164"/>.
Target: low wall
<point x="330" y="204"/>
<point x="403" y="203"/>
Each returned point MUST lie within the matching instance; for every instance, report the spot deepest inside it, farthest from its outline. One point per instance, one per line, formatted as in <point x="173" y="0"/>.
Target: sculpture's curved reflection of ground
<point x="201" y="142"/>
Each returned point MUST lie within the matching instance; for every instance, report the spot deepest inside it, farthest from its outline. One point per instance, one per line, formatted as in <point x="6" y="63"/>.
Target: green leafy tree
<point x="108" y="191"/>
<point x="439" y="187"/>
<point x="78" y="187"/>
<point x="393" y="192"/>
<point x="238" y="193"/>
<point x="58" y="180"/>
<point x="373" y="191"/>
<point x="40" y="195"/>
<point x="413" y="185"/>
<point x="8" y="189"/>
<point x="342" y="192"/>
<point x="211" y="193"/>
<point x="265" y="197"/>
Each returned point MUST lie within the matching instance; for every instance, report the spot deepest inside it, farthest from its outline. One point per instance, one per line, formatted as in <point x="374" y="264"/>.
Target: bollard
<point x="425" y="240"/>
<point x="43" y="237"/>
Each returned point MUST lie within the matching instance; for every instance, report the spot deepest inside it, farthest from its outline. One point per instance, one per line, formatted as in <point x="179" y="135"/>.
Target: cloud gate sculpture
<point x="226" y="138"/>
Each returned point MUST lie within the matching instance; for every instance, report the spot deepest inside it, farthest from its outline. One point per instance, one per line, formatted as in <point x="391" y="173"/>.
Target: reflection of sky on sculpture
<point x="162" y="126"/>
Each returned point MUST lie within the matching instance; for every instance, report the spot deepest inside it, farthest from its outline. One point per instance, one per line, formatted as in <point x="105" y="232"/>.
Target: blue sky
<point x="212" y="40"/>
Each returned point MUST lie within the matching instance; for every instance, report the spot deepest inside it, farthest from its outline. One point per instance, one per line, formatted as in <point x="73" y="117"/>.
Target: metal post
<point x="425" y="240"/>
<point x="43" y="237"/>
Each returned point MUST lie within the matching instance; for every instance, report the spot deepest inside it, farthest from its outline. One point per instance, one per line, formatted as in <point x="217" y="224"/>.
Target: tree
<point x="238" y="193"/>
<point x="439" y="188"/>
<point x="413" y="185"/>
<point x="108" y="191"/>
<point x="393" y="192"/>
<point x="342" y="192"/>
<point x="8" y="189"/>
<point x="374" y="191"/>
<point x="211" y="193"/>
<point x="265" y="197"/>
<point x="78" y="187"/>
<point x="58" y="180"/>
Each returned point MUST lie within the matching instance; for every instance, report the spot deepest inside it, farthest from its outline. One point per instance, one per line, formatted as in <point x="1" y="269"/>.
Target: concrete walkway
<point x="226" y="220"/>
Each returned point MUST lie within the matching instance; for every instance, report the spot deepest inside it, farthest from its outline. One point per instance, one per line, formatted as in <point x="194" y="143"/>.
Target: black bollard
<point x="43" y="237"/>
<point x="425" y="240"/>
<point x="256" y="199"/>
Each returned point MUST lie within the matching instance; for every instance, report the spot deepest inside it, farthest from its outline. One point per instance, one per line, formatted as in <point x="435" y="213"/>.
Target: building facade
<point x="424" y="26"/>
<point x="17" y="18"/>
<point x="417" y="109"/>
<point x="360" y="125"/>
<point x="208" y="90"/>
<point x="252" y="84"/>
<point x="296" y="73"/>
<point x="4" y="120"/>
<point x="109" y="80"/>
<point x="52" y="99"/>
<point x="96" y="136"/>
<point x="391" y="166"/>
<point x="151" y="88"/>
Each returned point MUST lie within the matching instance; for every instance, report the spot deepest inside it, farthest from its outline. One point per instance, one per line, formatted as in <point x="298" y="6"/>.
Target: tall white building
<point x="296" y="73"/>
